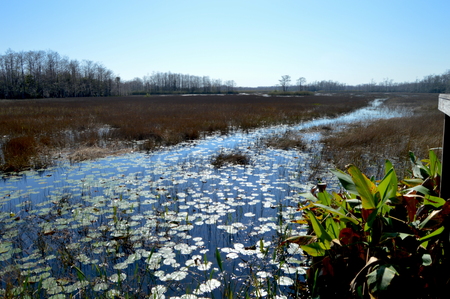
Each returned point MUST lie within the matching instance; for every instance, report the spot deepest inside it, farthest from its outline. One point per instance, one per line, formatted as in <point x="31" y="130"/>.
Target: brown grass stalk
<point x="58" y="125"/>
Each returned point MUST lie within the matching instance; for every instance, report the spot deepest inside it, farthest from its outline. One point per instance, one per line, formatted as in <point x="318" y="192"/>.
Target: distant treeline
<point x="429" y="84"/>
<point x="46" y="74"/>
<point x="163" y="83"/>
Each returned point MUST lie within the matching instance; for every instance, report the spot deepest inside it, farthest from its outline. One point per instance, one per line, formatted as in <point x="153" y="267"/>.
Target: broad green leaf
<point x="433" y="234"/>
<point x="387" y="167"/>
<point x="332" y="228"/>
<point x="320" y="231"/>
<point x="380" y="279"/>
<point x="419" y="171"/>
<point x="338" y="199"/>
<point x="308" y="195"/>
<point x="435" y="201"/>
<point x="412" y="182"/>
<point x="402" y="236"/>
<point x="314" y="249"/>
<point x="426" y="259"/>
<point x="388" y="186"/>
<point x="420" y="189"/>
<point x="346" y="181"/>
<point x="435" y="164"/>
<point x="324" y="198"/>
<point x="366" y="188"/>
<point x="341" y="215"/>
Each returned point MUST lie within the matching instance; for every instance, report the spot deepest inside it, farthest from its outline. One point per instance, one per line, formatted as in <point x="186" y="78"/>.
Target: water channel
<point x="165" y="223"/>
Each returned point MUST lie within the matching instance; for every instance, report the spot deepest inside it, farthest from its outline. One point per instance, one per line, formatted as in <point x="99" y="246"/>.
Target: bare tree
<point x="300" y="82"/>
<point x="285" y="82"/>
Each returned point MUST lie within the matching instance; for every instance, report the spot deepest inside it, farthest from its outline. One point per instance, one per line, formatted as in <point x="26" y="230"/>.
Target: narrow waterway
<point x="166" y="222"/>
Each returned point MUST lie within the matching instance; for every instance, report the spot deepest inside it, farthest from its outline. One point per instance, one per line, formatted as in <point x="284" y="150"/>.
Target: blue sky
<point x="251" y="42"/>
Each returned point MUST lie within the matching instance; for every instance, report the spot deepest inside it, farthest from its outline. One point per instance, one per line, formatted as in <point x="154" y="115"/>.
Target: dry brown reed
<point x="367" y="145"/>
<point x="285" y="141"/>
<point x="235" y="157"/>
<point x="55" y="125"/>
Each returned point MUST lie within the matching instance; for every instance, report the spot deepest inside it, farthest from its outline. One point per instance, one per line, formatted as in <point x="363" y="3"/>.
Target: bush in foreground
<point x="379" y="239"/>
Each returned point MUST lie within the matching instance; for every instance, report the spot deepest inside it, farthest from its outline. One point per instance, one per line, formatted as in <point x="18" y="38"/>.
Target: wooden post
<point x="444" y="106"/>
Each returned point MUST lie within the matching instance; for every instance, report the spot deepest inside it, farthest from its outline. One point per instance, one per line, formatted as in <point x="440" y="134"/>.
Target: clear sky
<point x="251" y="42"/>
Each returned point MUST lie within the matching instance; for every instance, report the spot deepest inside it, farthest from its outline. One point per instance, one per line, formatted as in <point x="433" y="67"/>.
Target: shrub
<point x="379" y="239"/>
<point x="19" y="152"/>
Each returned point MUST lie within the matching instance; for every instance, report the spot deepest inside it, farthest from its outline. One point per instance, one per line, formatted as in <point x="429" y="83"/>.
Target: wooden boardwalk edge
<point x="444" y="106"/>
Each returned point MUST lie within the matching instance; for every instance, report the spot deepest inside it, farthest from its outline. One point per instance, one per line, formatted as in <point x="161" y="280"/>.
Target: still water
<point x="167" y="223"/>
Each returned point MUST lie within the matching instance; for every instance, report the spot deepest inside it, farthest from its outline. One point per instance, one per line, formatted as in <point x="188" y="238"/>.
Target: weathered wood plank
<point x="444" y="103"/>
<point x="444" y="106"/>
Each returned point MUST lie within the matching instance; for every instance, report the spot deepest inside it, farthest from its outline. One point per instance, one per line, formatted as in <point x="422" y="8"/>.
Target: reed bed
<point x="367" y="145"/>
<point x="35" y="132"/>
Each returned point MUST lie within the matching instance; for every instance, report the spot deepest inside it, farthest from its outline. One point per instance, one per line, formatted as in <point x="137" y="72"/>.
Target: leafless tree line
<point x="160" y="83"/>
<point x="324" y="85"/>
<point x="46" y="74"/>
<point x="429" y="84"/>
<point x="39" y="74"/>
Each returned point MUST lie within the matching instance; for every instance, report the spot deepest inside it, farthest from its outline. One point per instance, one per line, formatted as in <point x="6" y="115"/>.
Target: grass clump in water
<point x="287" y="140"/>
<point x="235" y="157"/>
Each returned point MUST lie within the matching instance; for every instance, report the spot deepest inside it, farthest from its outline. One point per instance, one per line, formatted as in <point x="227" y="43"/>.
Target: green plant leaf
<point x="219" y="259"/>
<point x="380" y="279"/>
<point x="366" y="188"/>
<point x="320" y="231"/>
<point x="426" y="259"/>
<point x="412" y="182"/>
<point x="388" y="186"/>
<point x="419" y="171"/>
<point x="402" y="236"/>
<point x="420" y="189"/>
<point x="314" y="249"/>
<point x="435" y="165"/>
<point x="387" y="167"/>
<point x="435" y="201"/>
<point x="324" y="198"/>
<point x="341" y="215"/>
<point x="346" y="181"/>
<point x="433" y="234"/>
<point x="308" y="195"/>
<point x="332" y="228"/>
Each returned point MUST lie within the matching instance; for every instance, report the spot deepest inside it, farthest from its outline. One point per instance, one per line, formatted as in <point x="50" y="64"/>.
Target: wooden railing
<point x="444" y="106"/>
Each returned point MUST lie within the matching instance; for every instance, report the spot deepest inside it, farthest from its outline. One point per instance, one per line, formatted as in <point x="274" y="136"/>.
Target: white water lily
<point x="285" y="281"/>
<point x="177" y="275"/>
<point x="204" y="266"/>
<point x="263" y="274"/>
<point x="207" y="287"/>
<point x="294" y="248"/>
<point x="158" y="292"/>
<point x="115" y="277"/>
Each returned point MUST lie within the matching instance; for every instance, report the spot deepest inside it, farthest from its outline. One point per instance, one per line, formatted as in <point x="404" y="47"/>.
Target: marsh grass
<point x="367" y="145"/>
<point x="287" y="140"/>
<point x="235" y="157"/>
<point x="51" y="126"/>
<point x="291" y="93"/>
